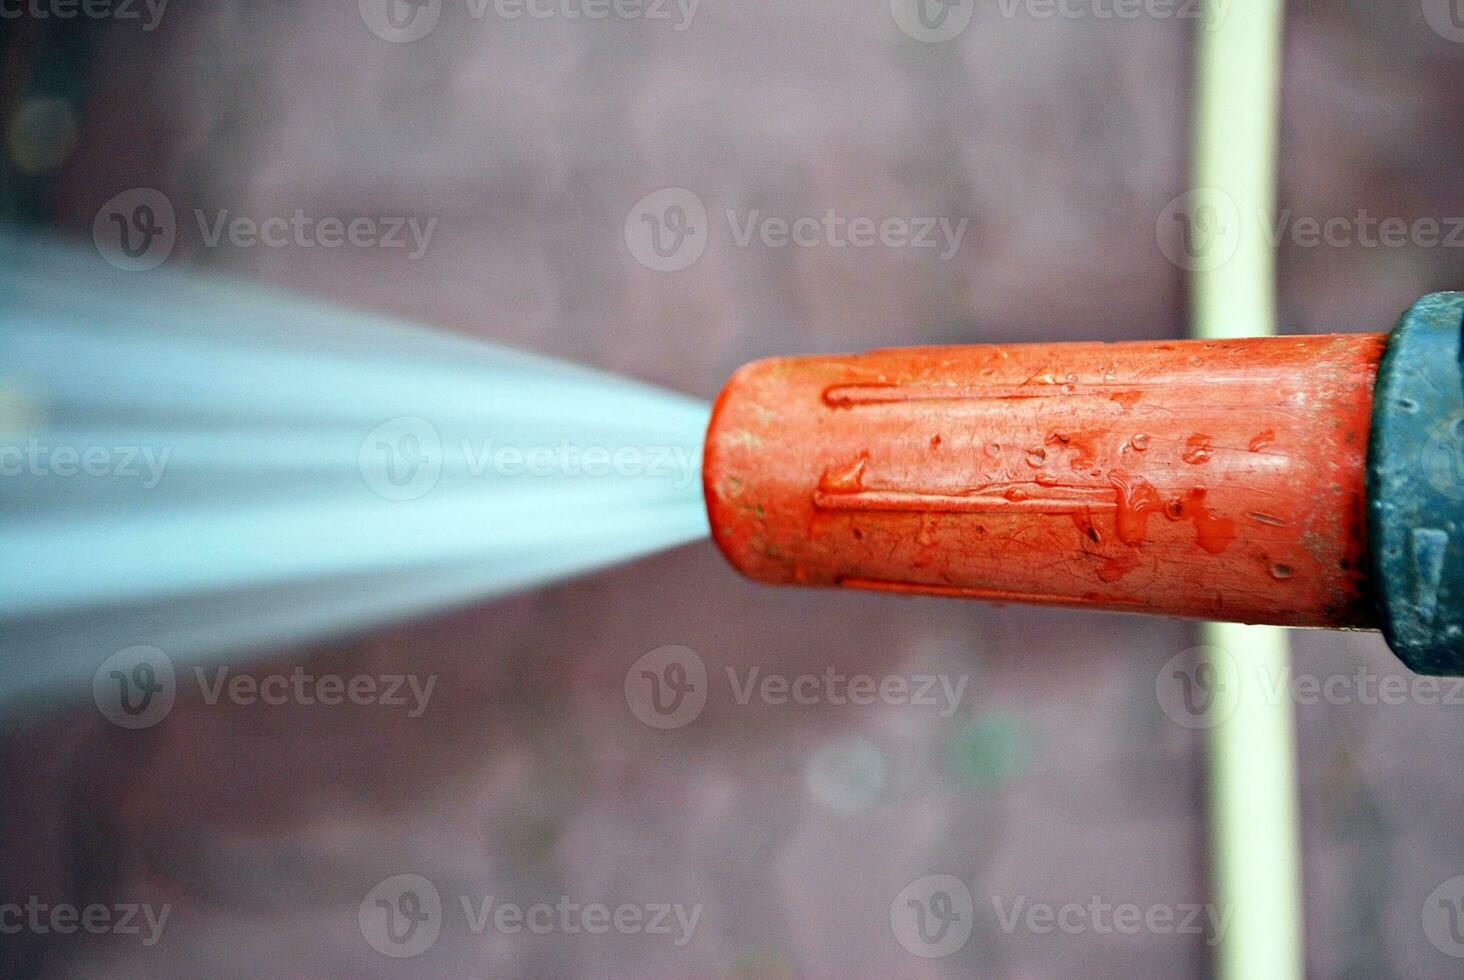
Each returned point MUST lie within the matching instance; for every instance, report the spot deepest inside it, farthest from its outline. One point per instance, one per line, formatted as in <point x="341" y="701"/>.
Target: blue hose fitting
<point x="1415" y="487"/>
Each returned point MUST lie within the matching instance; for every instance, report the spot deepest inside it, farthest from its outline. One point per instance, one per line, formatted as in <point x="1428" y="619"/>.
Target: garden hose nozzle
<point x="1298" y="481"/>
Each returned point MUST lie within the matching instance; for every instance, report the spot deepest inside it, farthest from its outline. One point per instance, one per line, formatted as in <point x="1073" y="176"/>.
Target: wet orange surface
<point x="1037" y="471"/>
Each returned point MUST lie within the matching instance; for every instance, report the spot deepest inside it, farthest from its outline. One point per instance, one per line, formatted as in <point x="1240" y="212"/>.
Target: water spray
<point x="212" y="468"/>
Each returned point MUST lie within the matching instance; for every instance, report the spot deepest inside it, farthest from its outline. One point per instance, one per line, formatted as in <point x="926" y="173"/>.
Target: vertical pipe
<point x="1253" y="806"/>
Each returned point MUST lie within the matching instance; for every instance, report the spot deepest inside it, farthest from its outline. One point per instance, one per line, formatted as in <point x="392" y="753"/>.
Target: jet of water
<point x="208" y="467"/>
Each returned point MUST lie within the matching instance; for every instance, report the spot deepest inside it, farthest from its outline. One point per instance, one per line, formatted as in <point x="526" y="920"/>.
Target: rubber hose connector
<point x="1415" y="487"/>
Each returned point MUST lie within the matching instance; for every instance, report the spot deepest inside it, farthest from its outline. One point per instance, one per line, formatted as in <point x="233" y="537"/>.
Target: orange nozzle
<point x="1214" y="479"/>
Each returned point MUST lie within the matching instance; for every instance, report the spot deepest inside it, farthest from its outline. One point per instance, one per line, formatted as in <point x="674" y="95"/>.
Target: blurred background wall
<point x="1060" y="778"/>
